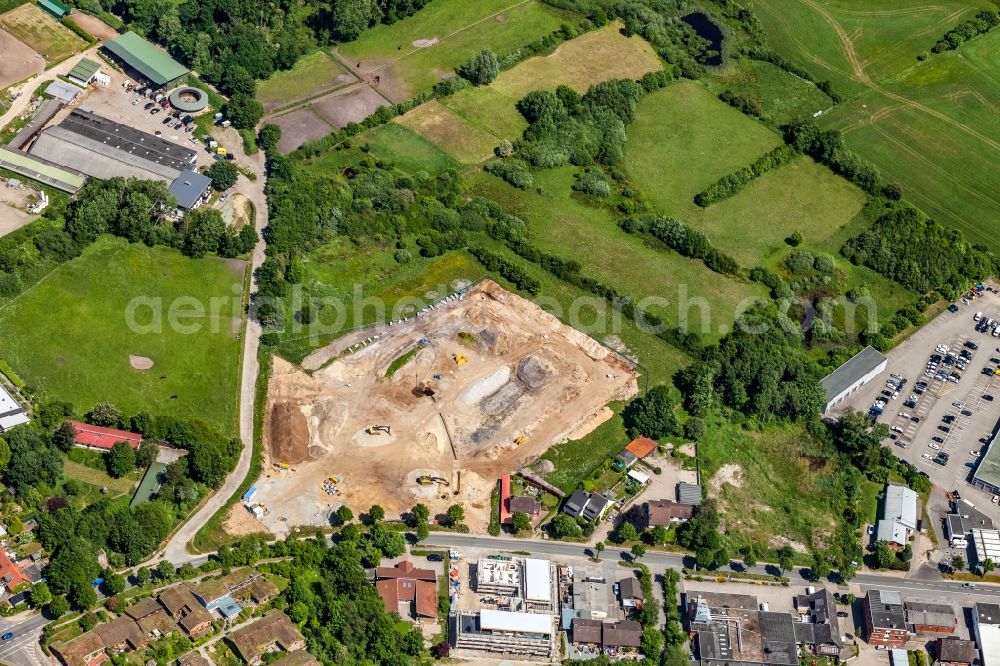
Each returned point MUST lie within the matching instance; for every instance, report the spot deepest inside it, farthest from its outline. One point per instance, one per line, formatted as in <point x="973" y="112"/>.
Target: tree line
<point x="980" y="24"/>
<point x="733" y="183"/>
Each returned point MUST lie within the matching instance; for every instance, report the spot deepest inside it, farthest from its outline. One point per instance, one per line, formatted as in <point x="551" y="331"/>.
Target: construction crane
<point x="427" y="479"/>
<point x="376" y="429"/>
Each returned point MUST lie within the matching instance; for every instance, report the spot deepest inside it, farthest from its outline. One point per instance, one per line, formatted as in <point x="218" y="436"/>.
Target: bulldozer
<point x="519" y="440"/>
<point x="376" y="429"/>
<point x="461" y="359"/>
<point x="427" y="479"/>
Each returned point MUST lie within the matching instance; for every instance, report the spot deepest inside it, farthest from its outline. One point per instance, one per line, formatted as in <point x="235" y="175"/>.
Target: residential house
<point x="11" y="573"/>
<point x="215" y="595"/>
<point x="630" y="593"/>
<point x="898" y="517"/>
<point x="186" y="611"/>
<point x="822" y="631"/>
<point x="576" y="503"/>
<point x="84" y="650"/>
<point x="409" y="591"/>
<point x="589" y="506"/>
<point x="151" y="618"/>
<point x="924" y="618"/>
<point x="523" y="504"/>
<point x="956" y="652"/>
<point x="885" y="619"/>
<point x="663" y="513"/>
<point x="252" y="641"/>
<point x="636" y="450"/>
<point x="624" y="634"/>
<point x="121" y="635"/>
<point x="586" y="632"/>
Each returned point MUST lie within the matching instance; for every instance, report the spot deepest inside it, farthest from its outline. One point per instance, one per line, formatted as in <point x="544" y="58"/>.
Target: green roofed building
<point x="146" y="60"/>
<point x="151" y="482"/>
<point x="56" y="9"/>
<point x="84" y="71"/>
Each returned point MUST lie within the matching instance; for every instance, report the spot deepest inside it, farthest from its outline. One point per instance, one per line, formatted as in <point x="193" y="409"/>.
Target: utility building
<point x="145" y="61"/>
<point x="852" y="375"/>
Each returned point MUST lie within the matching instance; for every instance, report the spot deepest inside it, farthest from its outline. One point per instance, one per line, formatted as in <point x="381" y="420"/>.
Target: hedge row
<point x="778" y="60"/>
<point x="80" y="32"/>
<point x="514" y="171"/>
<point x="732" y="183"/>
<point x="683" y="239"/>
<point x="507" y="269"/>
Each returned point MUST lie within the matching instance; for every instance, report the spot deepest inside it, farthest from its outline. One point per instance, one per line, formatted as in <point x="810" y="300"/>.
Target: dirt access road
<point x="470" y="390"/>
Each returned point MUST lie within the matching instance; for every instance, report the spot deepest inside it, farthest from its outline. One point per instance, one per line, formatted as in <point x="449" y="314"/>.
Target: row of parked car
<point x="986" y="325"/>
<point x="947" y="365"/>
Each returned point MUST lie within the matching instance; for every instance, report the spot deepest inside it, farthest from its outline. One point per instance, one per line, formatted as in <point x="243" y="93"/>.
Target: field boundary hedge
<point x="734" y="183"/>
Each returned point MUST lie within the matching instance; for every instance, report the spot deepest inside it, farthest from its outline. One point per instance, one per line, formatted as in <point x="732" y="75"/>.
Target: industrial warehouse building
<point x="145" y="61"/>
<point x="852" y="375"/>
<point x="101" y="148"/>
<point x="11" y="412"/>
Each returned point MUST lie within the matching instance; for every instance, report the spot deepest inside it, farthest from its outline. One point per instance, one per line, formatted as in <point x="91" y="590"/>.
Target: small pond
<point x="706" y="29"/>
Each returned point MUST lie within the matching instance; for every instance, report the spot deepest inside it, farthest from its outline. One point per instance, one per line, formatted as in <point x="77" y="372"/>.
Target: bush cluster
<point x="982" y="23"/>
<point x="732" y="183"/>
<point x="506" y="268"/>
<point x="512" y="170"/>
<point x="680" y="237"/>
<point x="828" y="148"/>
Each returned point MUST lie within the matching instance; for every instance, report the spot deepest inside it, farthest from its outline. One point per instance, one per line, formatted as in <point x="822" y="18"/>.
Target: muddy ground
<point x="526" y="381"/>
<point x="18" y="61"/>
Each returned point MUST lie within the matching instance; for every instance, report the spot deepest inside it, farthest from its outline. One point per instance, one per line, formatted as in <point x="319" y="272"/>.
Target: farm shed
<point x="84" y="71"/>
<point x="146" y="60"/>
<point x="56" y="9"/>
<point x="852" y="375"/>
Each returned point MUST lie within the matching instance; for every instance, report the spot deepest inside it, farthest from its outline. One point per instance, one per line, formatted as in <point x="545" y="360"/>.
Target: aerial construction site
<point x="431" y="410"/>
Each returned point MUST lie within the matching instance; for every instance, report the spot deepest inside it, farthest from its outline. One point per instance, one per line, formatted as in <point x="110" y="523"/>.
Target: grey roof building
<point x="101" y="148"/>
<point x="689" y="493"/>
<point x="899" y="515"/>
<point x="852" y="375"/>
<point x="576" y="503"/>
<point x="188" y="188"/>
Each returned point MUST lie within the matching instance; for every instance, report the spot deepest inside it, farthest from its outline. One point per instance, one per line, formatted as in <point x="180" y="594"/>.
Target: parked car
<point x="974" y="454"/>
<point x="915" y="419"/>
<point x="966" y="412"/>
<point x="7" y="636"/>
<point x="435" y="557"/>
<point x="937" y="439"/>
<point x="926" y="456"/>
<point x="988" y="398"/>
<point x="969" y="586"/>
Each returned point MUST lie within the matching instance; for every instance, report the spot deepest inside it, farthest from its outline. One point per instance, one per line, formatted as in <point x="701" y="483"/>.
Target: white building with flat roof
<point x="852" y="375"/>
<point x="12" y="414"/>
<point x="508" y="632"/>
<point x="526" y="582"/>
<point x="986" y="544"/>
<point x="986" y="629"/>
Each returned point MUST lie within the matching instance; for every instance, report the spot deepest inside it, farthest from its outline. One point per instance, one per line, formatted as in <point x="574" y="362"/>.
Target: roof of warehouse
<point x="147" y="59"/>
<point x="856" y="367"/>
<point x="128" y="139"/>
<point x="988" y="468"/>
<point x="986" y="544"/>
<point x="67" y="92"/>
<point x="103" y="438"/>
<point x="40" y="170"/>
<point x="537" y="580"/>
<point x="529" y="623"/>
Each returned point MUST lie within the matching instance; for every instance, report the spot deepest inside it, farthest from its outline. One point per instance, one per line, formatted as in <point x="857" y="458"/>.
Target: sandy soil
<point x="18" y="61"/>
<point x="140" y="362"/>
<point x="12" y="204"/>
<point x="528" y="375"/>
<point x="235" y="210"/>
<point x="241" y="522"/>
<point x="299" y="126"/>
<point x="424" y="43"/>
<point x="94" y="26"/>
<point x="730" y="473"/>
<point x="351" y="105"/>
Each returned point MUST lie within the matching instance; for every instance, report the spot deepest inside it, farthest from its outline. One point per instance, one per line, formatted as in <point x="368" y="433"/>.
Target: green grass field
<point x="445" y="129"/>
<point x="461" y="28"/>
<point x="560" y="223"/>
<point x="315" y="72"/>
<point x="932" y="125"/>
<point x="684" y="139"/>
<point x="42" y="33"/>
<point x="68" y="335"/>
<point x="784" y="97"/>
<point x="408" y="150"/>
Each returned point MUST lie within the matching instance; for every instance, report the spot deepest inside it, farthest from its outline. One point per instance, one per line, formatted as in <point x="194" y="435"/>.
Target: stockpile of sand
<point x="288" y="433"/>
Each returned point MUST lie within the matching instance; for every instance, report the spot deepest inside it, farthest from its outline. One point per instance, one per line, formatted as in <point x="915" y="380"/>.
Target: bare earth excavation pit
<point x="495" y="381"/>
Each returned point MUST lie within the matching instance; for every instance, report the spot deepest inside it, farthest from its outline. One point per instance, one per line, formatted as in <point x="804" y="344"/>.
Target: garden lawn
<point x="408" y="150"/>
<point x="560" y="222"/>
<point x="311" y="75"/>
<point x="99" y="478"/>
<point x="684" y="139"/>
<point x="460" y="28"/>
<point x="42" y="33"/>
<point x="68" y="337"/>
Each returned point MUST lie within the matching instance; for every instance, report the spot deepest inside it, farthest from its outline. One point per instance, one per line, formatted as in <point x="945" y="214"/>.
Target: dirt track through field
<point x="490" y="382"/>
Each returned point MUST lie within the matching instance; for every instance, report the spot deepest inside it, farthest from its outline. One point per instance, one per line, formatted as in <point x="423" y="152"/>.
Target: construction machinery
<point x="377" y="429"/>
<point x="461" y="359"/>
<point x="427" y="479"/>
<point x="519" y="440"/>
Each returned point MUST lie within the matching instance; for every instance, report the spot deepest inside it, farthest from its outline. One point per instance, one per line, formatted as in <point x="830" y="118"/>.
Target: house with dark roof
<point x="822" y="632"/>
<point x="524" y="504"/>
<point x="587" y="632"/>
<point x="956" y="652"/>
<point x="186" y="611"/>
<point x="885" y="619"/>
<point x="689" y="493"/>
<point x="409" y="591"/>
<point x="630" y="592"/>
<point x="576" y="503"/>
<point x="852" y="375"/>
<point x="624" y="634"/>
<point x="589" y="506"/>
<point x="151" y="617"/>
<point x="121" y="635"/>
<point x="252" y="641"/>
<point x="663" y="513"/>
<point x="189" y="188"/>
<point x="86" y="649"/>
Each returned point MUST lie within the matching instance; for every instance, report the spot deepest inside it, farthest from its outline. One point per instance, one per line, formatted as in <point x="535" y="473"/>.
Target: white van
<point x="978" y="316"/>
<point x="896" y="429"/>
<point x="905" y="415"/>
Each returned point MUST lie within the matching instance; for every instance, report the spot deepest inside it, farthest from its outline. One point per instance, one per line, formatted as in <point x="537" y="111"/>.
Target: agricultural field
<point x="411" y="55"/>
<point x="408" y="150"/>
<point x="314" y="74"/>
<point x="18" y="62"/>
<point x="560" y="223"/>
<point x="929" y="125"/>
<point x="69" y="335"/>
<point x="449" y="132"/>
<point x="42" y="33"/>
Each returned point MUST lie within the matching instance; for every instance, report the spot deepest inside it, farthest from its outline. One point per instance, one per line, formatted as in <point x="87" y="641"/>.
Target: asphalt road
<point x="23" y="648"/>
<point x="660" y="560"/>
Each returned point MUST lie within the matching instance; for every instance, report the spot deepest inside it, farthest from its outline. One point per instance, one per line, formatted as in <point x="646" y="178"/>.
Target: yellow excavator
<point x="427" y="479"/>
<point x="376" y="429"/>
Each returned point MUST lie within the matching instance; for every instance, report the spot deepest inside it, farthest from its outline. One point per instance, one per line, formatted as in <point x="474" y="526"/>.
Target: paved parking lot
<point x="972" y="416"/>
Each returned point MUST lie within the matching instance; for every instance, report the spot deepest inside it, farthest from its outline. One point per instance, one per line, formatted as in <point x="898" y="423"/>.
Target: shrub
<point x="799" y="262"/>
<point x="513" y="171"/>
<point x="481" y="69"/>
<point x="402" y="256"/>
<point x="593" y="183"/>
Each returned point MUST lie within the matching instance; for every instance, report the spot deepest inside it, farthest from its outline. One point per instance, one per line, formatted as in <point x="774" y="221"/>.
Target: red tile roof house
<point x="98" y="437"/>
<point x="10" y="573"/>
<point x="408" y="591"/>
